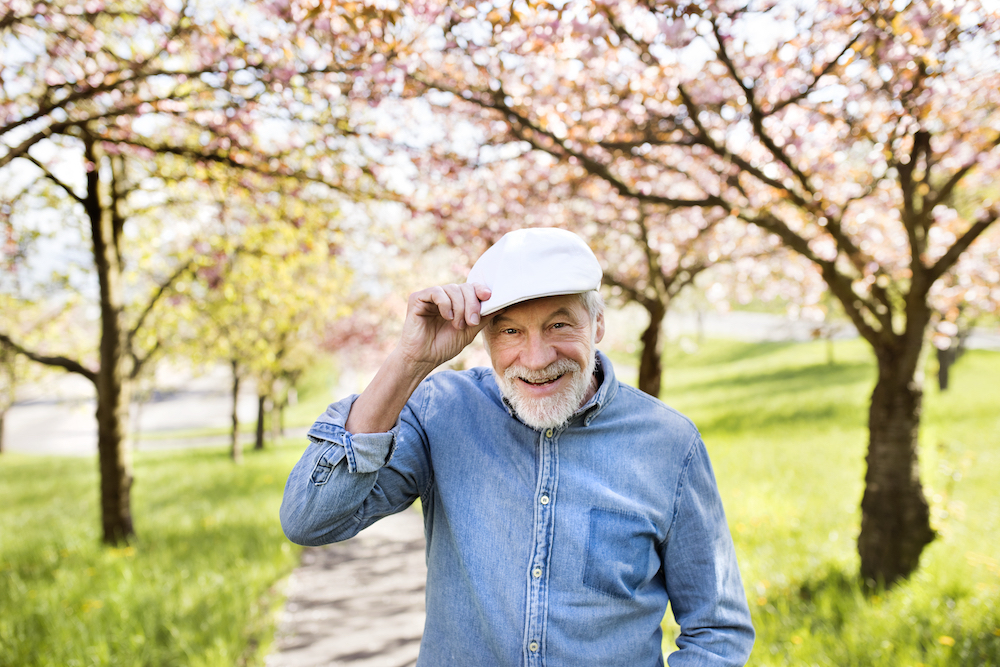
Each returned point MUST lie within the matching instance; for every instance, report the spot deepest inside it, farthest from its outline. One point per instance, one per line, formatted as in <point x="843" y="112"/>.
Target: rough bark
<point x="651" y="357"/>
<point x="895" y="516"/>
<point x="114" y="455"/>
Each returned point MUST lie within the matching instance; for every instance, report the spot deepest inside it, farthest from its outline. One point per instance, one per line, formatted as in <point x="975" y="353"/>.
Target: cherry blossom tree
<point x="268" y="298"/>
<point x="96" y="95"/>
<point x="844" y="128"/>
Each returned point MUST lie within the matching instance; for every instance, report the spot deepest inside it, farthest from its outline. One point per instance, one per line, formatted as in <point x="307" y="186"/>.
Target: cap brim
<point x="488" y="307"/>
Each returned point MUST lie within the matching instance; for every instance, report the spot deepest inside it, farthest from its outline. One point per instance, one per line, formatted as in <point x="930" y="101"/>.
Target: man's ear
<point x="599" y="328"/>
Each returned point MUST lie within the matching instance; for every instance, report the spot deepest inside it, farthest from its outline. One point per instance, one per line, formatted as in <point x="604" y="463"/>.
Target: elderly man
<point x="563" y="510"/>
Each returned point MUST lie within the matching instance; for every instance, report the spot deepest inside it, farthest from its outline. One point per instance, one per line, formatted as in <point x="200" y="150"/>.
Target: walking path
<point x="358" y="603"/>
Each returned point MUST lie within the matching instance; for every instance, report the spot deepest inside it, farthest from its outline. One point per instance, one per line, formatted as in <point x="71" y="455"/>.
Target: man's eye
<point x="510" y="331"/>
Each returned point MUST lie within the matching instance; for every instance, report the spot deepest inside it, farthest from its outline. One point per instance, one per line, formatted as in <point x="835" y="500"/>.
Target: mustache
<point x="550" y="372"/>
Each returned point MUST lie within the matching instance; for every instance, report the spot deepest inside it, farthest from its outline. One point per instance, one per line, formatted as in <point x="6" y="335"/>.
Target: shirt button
<point x="548" y="434"/>
<point x="544" y="500"/>
<point x="537" y="572"/>
<point x="533" y="647"/>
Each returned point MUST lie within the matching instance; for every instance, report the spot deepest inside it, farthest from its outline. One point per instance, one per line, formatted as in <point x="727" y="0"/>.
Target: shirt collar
<point x="605" y="392"/>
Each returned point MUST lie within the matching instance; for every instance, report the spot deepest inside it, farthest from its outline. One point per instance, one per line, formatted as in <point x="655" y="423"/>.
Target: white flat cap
<point x="534" y="263"/>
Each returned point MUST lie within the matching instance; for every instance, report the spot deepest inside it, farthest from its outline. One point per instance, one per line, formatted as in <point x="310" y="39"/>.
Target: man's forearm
<point x="378" y="408"/>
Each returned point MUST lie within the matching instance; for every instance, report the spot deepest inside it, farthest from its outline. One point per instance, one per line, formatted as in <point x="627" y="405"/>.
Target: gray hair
<point x="594" y="303"/>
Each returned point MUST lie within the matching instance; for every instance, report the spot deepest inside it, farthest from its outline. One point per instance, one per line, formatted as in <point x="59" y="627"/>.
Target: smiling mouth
<point x="541" y="383"/>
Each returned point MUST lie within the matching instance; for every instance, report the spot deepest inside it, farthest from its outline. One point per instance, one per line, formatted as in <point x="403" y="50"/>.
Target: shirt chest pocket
<point x="621" y="548"/>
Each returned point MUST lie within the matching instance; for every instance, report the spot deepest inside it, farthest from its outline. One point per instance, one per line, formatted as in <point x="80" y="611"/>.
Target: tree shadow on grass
<point x="831" y="619"/>
<point x="725" y="352"/>
<point x="795" y="379"/>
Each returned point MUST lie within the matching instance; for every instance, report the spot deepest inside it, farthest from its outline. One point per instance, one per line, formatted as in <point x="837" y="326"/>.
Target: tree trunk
<point x="3" y="414"/>
<point x="259" y="442"/>
<point x="114" y="455"/>
<point x="235" y="449"/>
<point x="945" y="359"/>
<point x="895" y="516"/>
<point x="651" y="358"/>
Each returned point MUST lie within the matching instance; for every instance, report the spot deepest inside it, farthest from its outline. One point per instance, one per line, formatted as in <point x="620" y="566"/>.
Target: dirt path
<point x="358" y="603"/>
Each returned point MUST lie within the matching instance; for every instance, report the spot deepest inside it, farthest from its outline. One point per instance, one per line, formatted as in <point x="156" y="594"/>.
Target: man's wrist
<point x="408" y="369"/>
<point x="381" y="403"/>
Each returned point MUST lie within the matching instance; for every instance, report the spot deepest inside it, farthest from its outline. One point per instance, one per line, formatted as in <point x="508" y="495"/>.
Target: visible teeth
<point x="541" y="382"/>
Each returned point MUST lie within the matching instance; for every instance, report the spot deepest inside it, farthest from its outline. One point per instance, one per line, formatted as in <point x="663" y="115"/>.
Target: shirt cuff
<point x="365" y="452"/>
<point x="368" y="452"/>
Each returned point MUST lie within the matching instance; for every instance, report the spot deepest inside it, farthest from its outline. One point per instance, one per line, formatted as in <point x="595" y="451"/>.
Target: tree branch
<point x="962" y="244"/>
<point x="949" y="186"/>
<point x="816" y="77"/>
<point x="527" y="131"/>
<point x="52" y="177"/>
<point x="160" y="291"/>
<point x="229" y="160"/>
<point x="139" y="362"/>
<point x="854" y="305"/>
<point x="630" y="292"/>
<point x="757" y="115"/>
<point x="65" y="363"/>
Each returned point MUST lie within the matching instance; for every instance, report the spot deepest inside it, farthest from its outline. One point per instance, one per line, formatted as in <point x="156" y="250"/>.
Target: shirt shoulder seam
<point x="681" y="477"/>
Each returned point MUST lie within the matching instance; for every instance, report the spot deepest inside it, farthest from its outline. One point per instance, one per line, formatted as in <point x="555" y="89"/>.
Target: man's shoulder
<point x="640" y="406"/>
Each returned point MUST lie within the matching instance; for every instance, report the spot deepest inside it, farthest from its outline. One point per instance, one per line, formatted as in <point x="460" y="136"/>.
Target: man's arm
<point x="440" y="323"/>
<point x="702" y="577"/>
<point x="342" y="483"/>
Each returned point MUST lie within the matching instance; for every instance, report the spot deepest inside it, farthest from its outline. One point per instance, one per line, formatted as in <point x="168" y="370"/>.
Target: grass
<point x="787" y="435"/>
<point x="195" y="589"/>
<point x="198" y="586"/>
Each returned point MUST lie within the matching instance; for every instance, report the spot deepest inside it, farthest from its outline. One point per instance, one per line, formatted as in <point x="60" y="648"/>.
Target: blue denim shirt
<point x="558" y="548"/>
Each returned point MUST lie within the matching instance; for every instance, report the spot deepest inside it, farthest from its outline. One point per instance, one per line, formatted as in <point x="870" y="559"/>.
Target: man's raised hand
<point x="441" y="321"/>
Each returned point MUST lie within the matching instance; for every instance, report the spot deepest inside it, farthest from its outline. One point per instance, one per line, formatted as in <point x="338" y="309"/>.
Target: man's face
<point x="543" y="357"/>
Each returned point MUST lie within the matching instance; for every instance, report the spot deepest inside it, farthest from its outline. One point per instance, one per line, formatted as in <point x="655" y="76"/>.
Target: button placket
<point x="537" y="610"/>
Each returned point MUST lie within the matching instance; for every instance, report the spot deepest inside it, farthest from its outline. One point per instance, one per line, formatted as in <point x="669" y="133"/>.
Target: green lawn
<point x="787" y="436"/>
<point x="196" y="588"/>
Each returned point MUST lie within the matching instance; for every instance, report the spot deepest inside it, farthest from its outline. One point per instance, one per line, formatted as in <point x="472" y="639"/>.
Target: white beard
<point x="549" y="411"/>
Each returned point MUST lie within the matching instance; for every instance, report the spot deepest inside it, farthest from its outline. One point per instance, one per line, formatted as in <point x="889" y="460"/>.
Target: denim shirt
<point x="558" y="548"/>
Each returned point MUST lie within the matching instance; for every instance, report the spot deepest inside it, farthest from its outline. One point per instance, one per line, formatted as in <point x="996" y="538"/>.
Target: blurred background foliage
<point x="257" y="186"/>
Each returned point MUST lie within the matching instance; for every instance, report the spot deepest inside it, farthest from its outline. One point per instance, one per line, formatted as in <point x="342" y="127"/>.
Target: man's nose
<point x="538" y="354"/>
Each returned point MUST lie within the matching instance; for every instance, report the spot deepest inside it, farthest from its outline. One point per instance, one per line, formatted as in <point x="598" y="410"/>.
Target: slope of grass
<point x="787" y="435"/>
<point x="194" y="589"/>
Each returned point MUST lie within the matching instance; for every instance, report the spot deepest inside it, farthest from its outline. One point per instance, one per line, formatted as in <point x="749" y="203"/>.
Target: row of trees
<point x="160" y="128"/>
<point x="836" y="148"/>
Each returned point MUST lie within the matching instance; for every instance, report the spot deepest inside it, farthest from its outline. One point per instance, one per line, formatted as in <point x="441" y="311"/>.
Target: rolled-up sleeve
<point x="702" y="577"/>
<point x="346" y="481"/>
